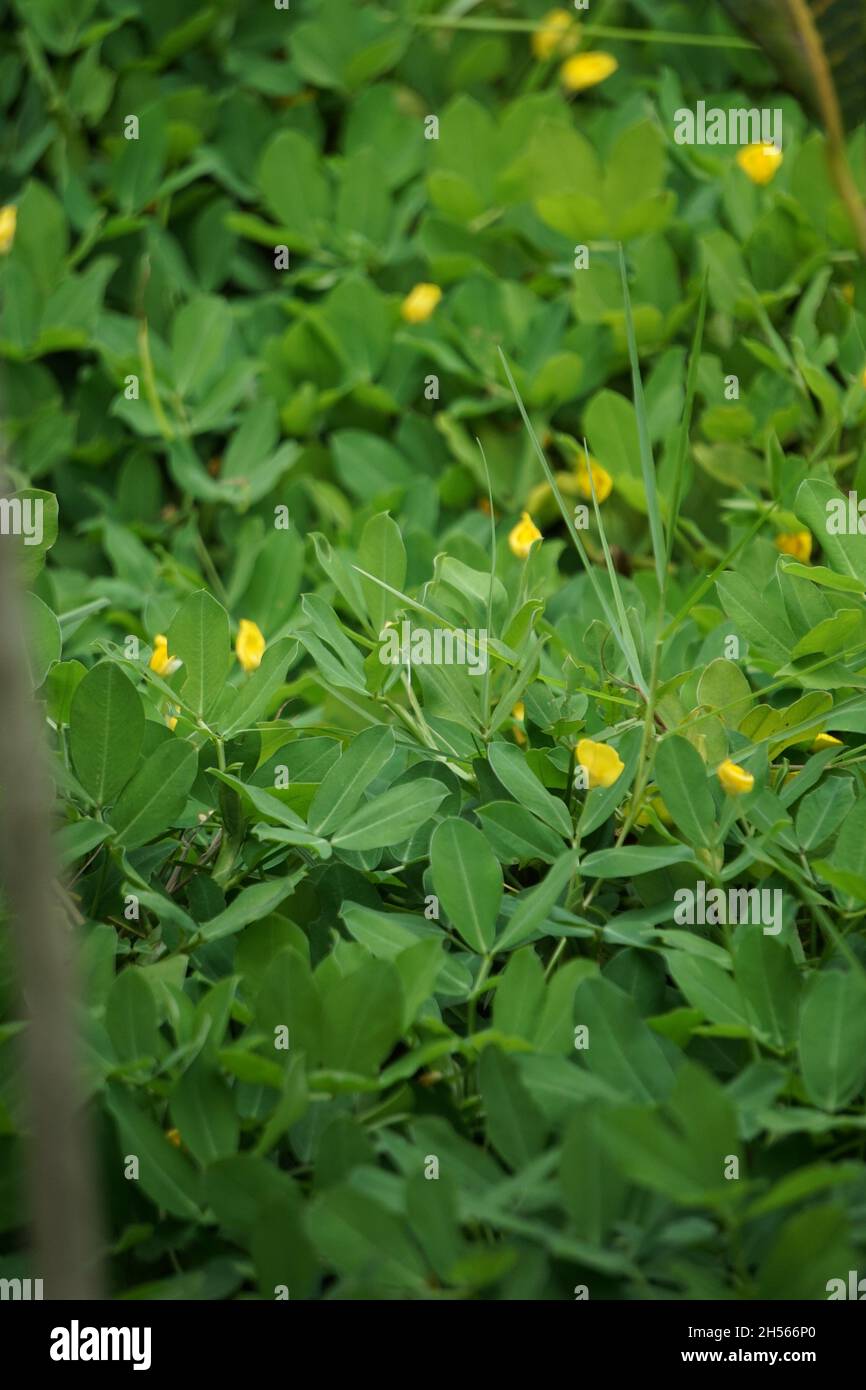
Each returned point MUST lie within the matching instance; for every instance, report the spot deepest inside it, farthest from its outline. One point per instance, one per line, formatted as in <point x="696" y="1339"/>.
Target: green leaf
<point x="555" y="1032"/>
<point x="680" y="1149"/>
<point x="199" y="637"/>
<point x="73" y="841"/>
<point x="512" y="770"/>
<point x="391" y="817"/>
<point x="632" y="860"/>
<point x="533" y="908"/>
<point x="289" y="998"/>
<point x="419" y="967"/>
<point x="817" y="503"/>
<point x="592" y="1188"/>
<point x="621" y="1049"/>
<point x="355" y="1235"/>
<point x="467" y="879"/>
<point x="157" y="794"/>
<point x="681" y="775"/>
<point x="759" y="617"/>
<point x="849" y="851"/>
<point x="723" y="687"/>
<point x="106" y="727"/>
<point x="832" y="1041"/>
<point x="282" y="1252"/>
<point x="813" y="1247"/>
<point x="251" y="701"/>
<point x="514" y="1123"/>
<point x="203" y="1110"/>
<point x="363" y="1018"/>
<point x="819" y="574"/>
<point x="131" y="1017"/>
<point x="240" y="1188"/>
<point x="519" y="995"/>
<point x="249" y="905"/>
<point x="343" y="786"/>
<point x="43" y="638"/>
<point x="516" y="835"/>
<point x="164" y="1174"/>
<point x="293" y="183"/>
<point x="708" y="988"/>
<point x="62" y="683"/>
<point x="769" y="984"/>
<point x="382" y="553"/>
<point x="198" y="336"/>
<point x="823" y="810"/>
<point x="42" y="236"/>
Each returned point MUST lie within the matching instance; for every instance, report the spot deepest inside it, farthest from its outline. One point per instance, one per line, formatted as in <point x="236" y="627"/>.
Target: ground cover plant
<point x="436" y="487"/>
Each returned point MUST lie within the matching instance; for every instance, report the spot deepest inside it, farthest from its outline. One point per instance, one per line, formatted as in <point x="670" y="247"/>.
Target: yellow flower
<point x="735" y="779"/>
<point x="160" y="661"/>
<point x="420" y="303"/>
<point x="760" y="162"/>
<point x="603" y="764"/>
<point x="586" y="70"/>
<point x="8" y="219"/>
<point x="825" y="741"/>
<point x="557" y="33"/>
<point x="173" y="1137"/>
<point x="796" y="543"/>
<point x="863" y="377"/>
<point x="600" y="479"/>
<point x="249" y="645"/>
<point x="522" y="536"/>
<point x="519" y="713"/>
<point x="171" y="717"/>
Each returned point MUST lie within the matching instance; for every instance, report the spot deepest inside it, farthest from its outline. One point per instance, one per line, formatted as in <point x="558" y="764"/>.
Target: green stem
<point x="150" y="387"/>
<point x="595" y="31"/>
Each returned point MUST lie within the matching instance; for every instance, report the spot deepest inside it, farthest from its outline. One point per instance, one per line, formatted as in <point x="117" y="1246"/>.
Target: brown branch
<point x="831" y="115"/>
<point x="65" y="1228"/>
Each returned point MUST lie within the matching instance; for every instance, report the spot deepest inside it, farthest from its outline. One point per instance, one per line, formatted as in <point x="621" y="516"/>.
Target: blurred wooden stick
<point x="66" y="1244"/>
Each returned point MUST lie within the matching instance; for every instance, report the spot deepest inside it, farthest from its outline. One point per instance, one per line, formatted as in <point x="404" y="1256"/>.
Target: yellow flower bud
<point x="523" y="535"/>
<point x="735" y="780"/>
<point x="796" y="543"/>
<point x="249" y="645"/>
<point x="600" y="479"/>
<point x="760" y="162"/>
<point x="587" y="70"/>
<point x="603" y="764"/>
<point x="8" y="221"/>
<point x="420" y="303"/>
<point x="173" y="1137"/>
<point x="825" y="740"/>
<point x="557" y="33"/>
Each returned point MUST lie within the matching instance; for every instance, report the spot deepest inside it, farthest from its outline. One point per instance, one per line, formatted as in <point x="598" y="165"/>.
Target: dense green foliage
<point x="383" y="1000"/>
